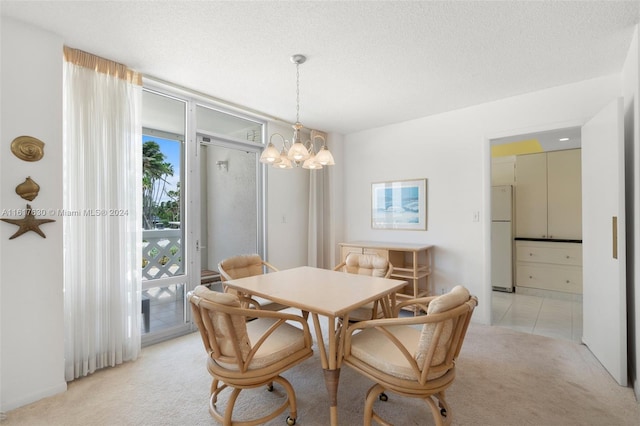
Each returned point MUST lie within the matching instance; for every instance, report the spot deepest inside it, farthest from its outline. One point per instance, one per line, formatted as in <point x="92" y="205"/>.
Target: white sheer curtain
<point x="318" y="222"/>
<point x="102" y="202"/>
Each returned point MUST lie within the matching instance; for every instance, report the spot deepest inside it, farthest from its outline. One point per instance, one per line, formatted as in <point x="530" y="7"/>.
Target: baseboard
<point x="42" y="393"/>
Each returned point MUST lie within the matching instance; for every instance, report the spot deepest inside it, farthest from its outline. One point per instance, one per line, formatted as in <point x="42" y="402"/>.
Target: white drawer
<point x="544" y="252"/>
<point x="550" y="277"/>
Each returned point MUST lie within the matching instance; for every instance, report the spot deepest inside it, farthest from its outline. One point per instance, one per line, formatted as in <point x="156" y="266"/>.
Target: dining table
<point x="327" y="293"/>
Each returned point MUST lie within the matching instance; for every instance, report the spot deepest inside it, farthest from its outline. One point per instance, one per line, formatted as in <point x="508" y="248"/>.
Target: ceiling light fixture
<point x="297" y="152"/>
<point x="563" y="139"/>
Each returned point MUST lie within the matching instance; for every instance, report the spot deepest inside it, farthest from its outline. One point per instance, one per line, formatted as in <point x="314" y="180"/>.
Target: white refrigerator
<point x="502" y="238"/>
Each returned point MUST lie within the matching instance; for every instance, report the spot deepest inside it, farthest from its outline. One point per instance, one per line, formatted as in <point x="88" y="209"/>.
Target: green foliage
<point x="155" y="171"/>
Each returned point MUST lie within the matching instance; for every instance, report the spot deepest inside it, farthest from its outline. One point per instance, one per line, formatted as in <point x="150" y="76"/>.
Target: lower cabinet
<point x="549" y="265"/>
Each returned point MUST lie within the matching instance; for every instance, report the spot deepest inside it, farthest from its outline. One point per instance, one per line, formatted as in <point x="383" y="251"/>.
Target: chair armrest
<point x="270" y="266"/>
<point x="248" y="302"/>
<point x="381" y="325"/>
<point x="283" y="318"/>
<point x="340" y="266"/>
<point x="387" y="322"/>
<point x="261" y="313"/>
<point x="421" y="302"/>
<point x="389" y="270"/>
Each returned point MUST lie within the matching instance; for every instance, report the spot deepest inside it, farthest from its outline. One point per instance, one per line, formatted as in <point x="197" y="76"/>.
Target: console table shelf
<point x="411" y="263"/>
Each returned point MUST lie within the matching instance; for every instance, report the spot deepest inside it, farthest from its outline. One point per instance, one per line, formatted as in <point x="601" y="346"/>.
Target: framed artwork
<point x="399" y="205"/>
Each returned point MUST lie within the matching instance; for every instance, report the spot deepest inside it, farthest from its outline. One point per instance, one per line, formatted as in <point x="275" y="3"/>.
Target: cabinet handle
<point x="530" y="277"/>
<point x="568" y="281"/>
<point x="568" y="257"/>
<point x="530" y="254"/>
<point x="614" y="231"/>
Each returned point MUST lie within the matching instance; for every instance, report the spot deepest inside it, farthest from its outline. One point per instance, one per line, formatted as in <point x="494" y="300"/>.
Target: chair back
<point x="241" y="266"/>
<point x="222" y="325"/>
<point x="367" y="264"/>
<point x="443" y="332"/>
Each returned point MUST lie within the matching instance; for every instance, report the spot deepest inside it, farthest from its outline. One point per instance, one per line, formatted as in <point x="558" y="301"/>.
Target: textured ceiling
<point x="369" y="63"/>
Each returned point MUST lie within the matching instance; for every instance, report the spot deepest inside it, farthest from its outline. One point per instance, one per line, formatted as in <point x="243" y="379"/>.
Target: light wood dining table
<point x="330" y="294"/>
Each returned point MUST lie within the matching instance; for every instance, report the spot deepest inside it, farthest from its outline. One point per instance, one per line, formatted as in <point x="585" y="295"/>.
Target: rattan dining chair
<point x="245" y="354"/>
<point x="412" y="356"/>
<point x="248" y="265"/>
<point x="366" y="264"/>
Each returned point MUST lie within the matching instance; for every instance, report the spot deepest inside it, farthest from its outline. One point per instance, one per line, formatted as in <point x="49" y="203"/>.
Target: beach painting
<point x="399" y="205"/>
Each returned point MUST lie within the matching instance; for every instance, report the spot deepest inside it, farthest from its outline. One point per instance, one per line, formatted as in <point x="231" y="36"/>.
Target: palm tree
<point x="154" y="179"/>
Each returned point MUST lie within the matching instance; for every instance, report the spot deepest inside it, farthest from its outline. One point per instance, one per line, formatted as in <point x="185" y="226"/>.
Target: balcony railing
<point x="162" y="253"/>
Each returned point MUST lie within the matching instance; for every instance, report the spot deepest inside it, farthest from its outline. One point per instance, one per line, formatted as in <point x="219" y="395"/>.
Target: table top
<point x="323" y="291"/>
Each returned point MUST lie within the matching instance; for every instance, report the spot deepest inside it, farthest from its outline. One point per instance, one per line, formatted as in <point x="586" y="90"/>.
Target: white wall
<point x="287" y="205"/>
<point x="631" y="91"/>
<point x="31" y="272"/>
<point x="452" y="151"/>
<point x="287" y="209"/>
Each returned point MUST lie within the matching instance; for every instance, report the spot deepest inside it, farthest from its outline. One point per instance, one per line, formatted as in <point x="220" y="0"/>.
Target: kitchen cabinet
<point x="411" y="263"/>
<point x="549" y="195"/>
<point x="549" y="265"/>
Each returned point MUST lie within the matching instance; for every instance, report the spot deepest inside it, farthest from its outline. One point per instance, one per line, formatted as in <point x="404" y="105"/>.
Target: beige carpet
<point x="504" y="378"/>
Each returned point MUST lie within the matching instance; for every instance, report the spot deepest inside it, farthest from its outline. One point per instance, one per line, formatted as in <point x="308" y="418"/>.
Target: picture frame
<point x="399" y="205"/>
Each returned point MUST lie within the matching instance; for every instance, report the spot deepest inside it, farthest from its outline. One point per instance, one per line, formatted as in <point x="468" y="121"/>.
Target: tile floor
<point x="166" y="307"/>
<point x="539" y="313"/>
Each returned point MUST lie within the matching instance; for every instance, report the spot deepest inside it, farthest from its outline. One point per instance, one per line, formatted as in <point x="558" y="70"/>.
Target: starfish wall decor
<point x="28" y="223"/>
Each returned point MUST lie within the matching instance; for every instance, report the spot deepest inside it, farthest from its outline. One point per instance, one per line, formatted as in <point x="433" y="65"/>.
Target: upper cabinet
<point x="549" y="195"/>
<point x="503" y="171"/>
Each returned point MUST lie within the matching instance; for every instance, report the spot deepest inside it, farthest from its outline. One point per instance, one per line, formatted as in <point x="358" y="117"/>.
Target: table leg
<point x="330" y="363"/>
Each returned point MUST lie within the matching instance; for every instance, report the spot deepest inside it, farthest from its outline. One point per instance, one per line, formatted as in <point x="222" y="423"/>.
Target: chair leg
<point x="228" y="413"/>
<point x="369" y="414"/>
<point x="436" y="411"/>
<point x="444" y="408"/>
<point x="227" y="418"/>
<point x="291" y="396"/>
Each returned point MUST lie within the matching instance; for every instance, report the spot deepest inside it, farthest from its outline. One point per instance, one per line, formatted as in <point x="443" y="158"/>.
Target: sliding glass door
<point x="229" y="203"/>
<point x="165" y="276"/>
<point x="202" y="202"/>
<point x="230" y="196"/>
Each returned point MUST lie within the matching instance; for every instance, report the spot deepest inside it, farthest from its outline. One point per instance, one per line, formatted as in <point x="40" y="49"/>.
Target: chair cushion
<point x="456" y="297"/>
<point x="242" y="266"/>
<point x="284" y="341"/>
<point x="372" y="347"/>
<point x="223" y="334"/>
<point x="366" y="264"/>
<point x="364" y="313"/>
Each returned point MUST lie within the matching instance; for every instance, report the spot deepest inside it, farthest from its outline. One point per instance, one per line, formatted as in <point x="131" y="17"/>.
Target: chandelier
<point x="297" y="152"/>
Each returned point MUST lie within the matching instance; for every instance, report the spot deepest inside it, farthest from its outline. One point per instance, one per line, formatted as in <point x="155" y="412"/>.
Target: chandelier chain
<point x="297" y="93"/>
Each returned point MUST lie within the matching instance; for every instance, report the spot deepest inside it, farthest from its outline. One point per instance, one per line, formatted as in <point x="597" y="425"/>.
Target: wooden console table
<point x="411" y="262"/>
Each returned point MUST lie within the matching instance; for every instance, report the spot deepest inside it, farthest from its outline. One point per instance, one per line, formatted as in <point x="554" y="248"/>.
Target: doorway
<point x="537" y="305"/>
<point x="602" y="254"/>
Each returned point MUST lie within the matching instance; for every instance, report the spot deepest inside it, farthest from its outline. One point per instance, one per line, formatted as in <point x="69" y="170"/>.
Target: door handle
<point x="614" y="231"/>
